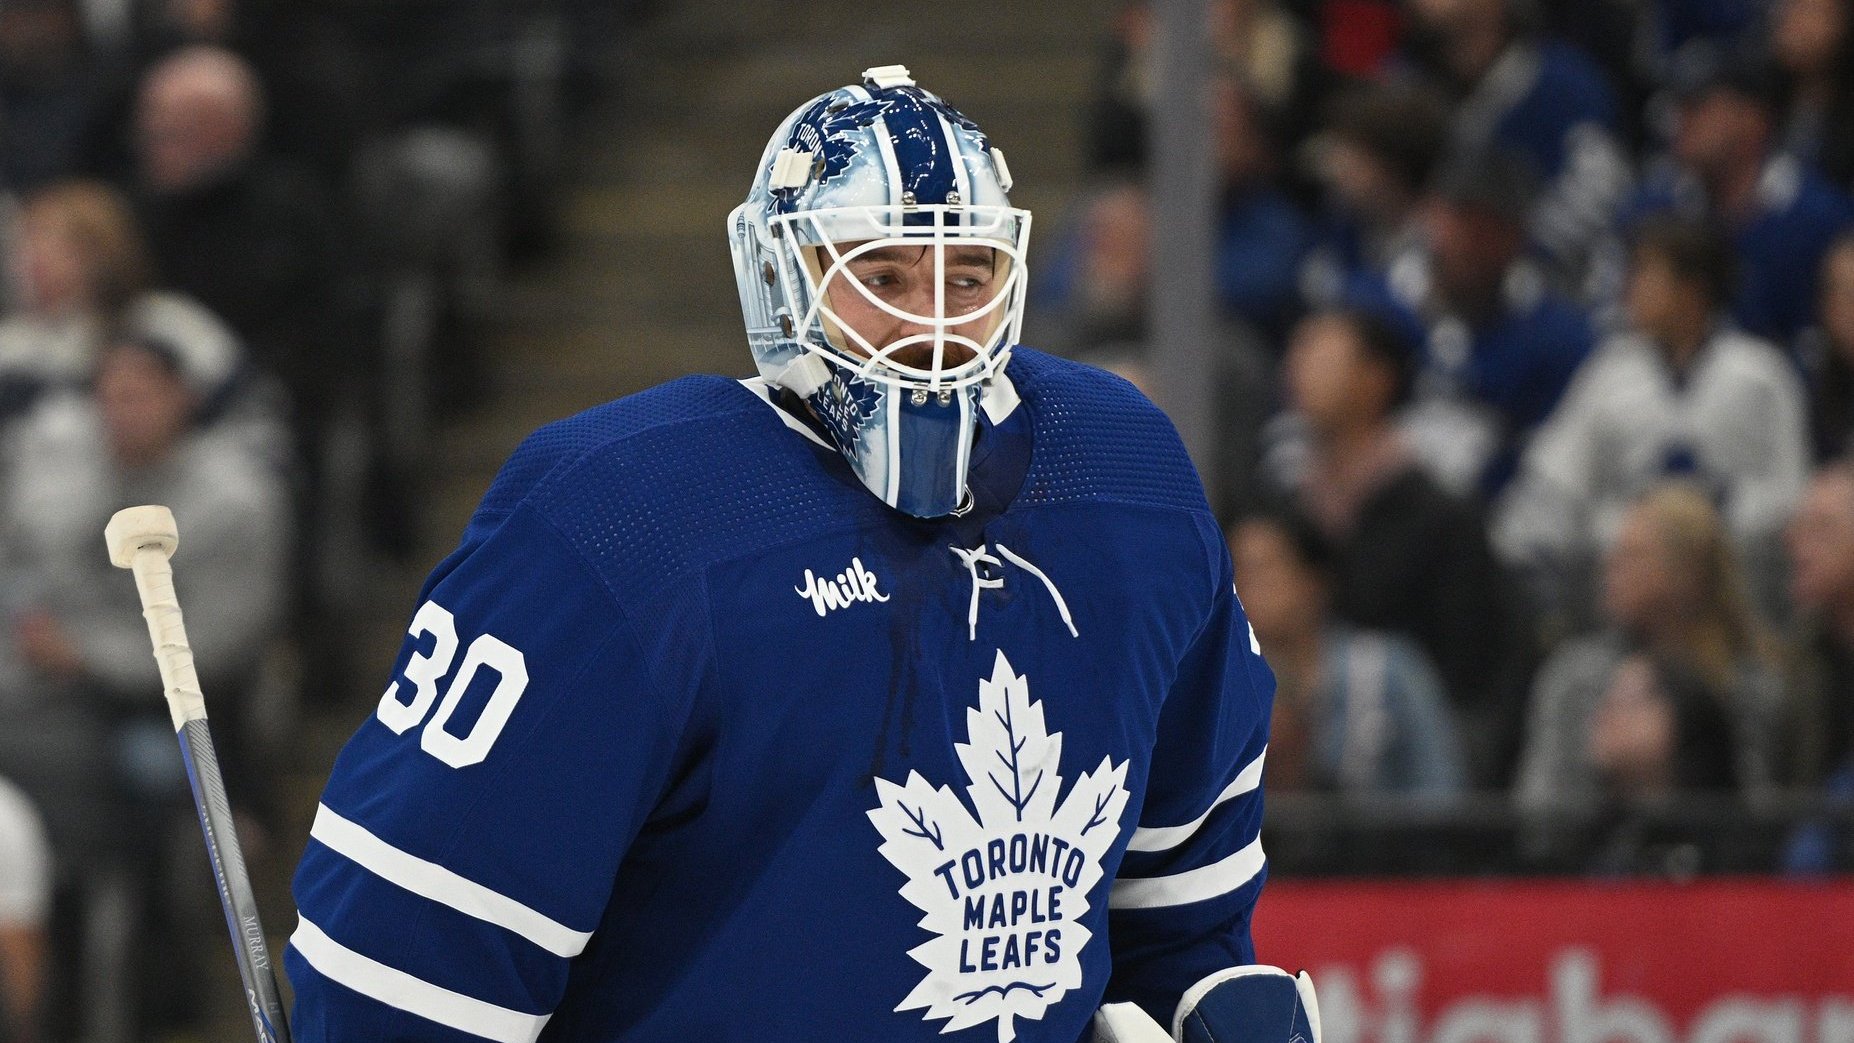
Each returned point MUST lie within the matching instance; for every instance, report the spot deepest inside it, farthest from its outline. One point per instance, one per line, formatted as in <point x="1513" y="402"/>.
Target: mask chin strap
<point x="801" y="376"/>
<point x="980" y="555"/>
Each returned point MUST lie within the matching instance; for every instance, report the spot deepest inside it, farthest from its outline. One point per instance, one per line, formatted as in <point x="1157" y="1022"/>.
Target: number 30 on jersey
<point x="424" y="671"/>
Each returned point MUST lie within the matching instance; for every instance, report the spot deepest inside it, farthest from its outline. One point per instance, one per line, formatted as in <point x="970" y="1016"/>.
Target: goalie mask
<point x="881" y="274"/>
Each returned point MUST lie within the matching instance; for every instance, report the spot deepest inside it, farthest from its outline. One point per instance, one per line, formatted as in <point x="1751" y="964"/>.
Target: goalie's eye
<point x="893" y="271"/>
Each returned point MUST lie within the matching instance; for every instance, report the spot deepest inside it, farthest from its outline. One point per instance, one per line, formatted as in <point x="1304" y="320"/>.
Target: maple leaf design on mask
<point x="846" y="405"/>
<point x="833" y="135"/>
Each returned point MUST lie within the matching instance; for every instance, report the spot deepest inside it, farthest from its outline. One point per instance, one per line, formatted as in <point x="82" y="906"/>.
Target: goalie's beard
<point x="919" y="355"/>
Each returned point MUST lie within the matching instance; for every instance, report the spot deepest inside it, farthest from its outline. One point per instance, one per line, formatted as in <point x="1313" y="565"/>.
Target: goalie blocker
<point x="1250" y="1004"/>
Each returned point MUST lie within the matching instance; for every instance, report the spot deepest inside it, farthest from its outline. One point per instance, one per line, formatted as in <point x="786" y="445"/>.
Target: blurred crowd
<point x="247" y="244"/>
<point x="1535" y="376"/>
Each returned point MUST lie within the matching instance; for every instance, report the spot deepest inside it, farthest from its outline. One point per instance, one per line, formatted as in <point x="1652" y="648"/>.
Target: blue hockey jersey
<point x="692" y="739"/>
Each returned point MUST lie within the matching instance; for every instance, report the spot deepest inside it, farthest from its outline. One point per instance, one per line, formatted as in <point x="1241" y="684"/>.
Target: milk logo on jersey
<point x="853" y="584"/>
<point x="1004" y="891"/>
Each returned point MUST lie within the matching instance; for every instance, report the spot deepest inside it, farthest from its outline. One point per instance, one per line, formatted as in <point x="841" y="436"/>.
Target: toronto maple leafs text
<point x="1008" y="928"/>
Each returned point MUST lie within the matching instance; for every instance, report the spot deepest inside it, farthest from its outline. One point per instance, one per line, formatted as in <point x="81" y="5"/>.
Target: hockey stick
<point x="141" y="539"/>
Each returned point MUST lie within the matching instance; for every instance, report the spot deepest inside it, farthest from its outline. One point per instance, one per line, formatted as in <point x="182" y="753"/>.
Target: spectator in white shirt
<point x="1680" y="393"/>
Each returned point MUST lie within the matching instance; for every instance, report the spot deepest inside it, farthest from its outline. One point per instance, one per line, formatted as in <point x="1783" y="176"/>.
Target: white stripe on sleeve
<point x="1164" y="838"/>
<point x="402" y="991"/>
<point x="431" y="880"/>
<point x="1195" y="885"/>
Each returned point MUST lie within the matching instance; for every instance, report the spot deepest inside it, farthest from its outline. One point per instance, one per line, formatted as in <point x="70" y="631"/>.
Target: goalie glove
<point x="1250" y="1004"/>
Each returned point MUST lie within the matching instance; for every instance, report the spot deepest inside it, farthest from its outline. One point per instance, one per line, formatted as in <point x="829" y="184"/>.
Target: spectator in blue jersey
<point x="1358" y="712"/>
<point x="1826" y="351"/>
<point x="736" y="711"/>
<point x="1540" y="98"/>
<point x="1726" y="165"/>
<point x="1499" y="345"/>
<point x="1680" y="392"/>
<point x="1261" y="234"/>
<point x="1373" y="159"/>
<point x="1408" y="556"/>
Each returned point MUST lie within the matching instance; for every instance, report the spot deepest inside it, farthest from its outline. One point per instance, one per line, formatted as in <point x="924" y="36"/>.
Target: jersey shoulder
<point x="1099" y="438"/>
<point x="565" y="442"/>
<point x="649" y="487"/>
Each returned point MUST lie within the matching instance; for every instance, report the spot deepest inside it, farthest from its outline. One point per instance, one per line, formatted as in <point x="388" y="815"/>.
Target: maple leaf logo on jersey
<point x="1004" y="892"/>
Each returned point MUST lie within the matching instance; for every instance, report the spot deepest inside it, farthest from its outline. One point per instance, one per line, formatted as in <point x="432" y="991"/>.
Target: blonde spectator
<point x="83" y="248"/>
<point x="81" y="272"/>
<point x="1672" y="587"/>
<point x="76" y="260"/>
